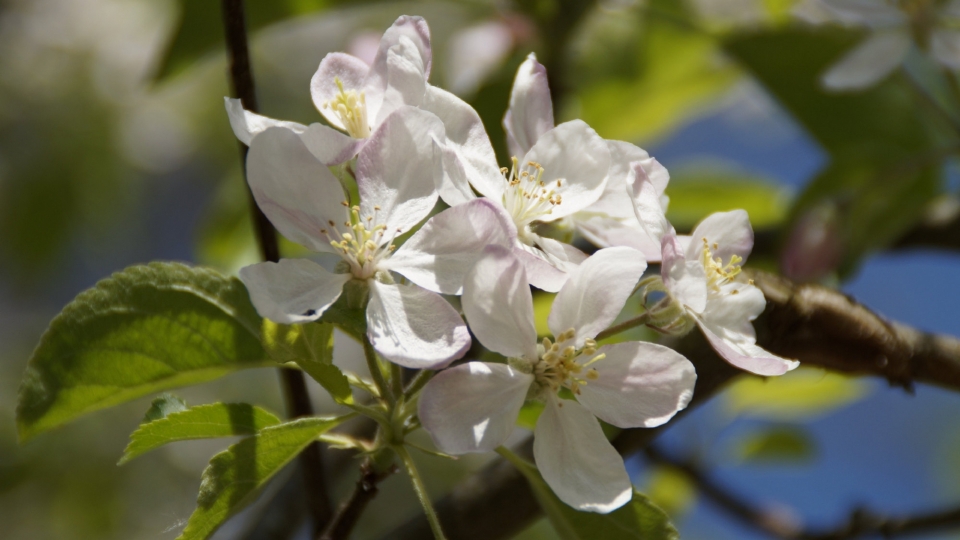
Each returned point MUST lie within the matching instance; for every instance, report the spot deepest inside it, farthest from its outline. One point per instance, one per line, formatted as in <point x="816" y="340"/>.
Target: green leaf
<point x="199" y="28"/>
<point x="695" y="194"/>
<point x="636" y="520"/>
<point x="202" y="422"/>
<point x="163" y="405"/>
<point x="310" y="346"/>
<point x="145" y="329"/>
<point x="800" y="394"/>
<point x="235" y="476"/>
<point x="671" y="490"/>
<point x="777" y="444"/>
<point x="529" y="414"/>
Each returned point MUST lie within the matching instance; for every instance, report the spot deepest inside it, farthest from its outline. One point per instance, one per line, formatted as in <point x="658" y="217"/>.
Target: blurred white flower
<point x="475" y="53"/>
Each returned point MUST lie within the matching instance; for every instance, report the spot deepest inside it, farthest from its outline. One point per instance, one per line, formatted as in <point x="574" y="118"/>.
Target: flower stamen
<point x="351" y="107"/>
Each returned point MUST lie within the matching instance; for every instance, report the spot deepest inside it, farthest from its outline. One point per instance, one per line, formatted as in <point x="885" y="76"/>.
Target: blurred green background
<point x="115" y="150"/>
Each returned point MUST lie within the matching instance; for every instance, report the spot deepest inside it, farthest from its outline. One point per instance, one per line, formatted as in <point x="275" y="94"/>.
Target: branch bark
<point x="293" y="382"/>
<point x="819" y="326"/>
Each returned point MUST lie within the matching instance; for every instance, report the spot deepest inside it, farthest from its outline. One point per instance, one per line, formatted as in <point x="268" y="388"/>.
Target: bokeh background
<point x="115" y="150"/>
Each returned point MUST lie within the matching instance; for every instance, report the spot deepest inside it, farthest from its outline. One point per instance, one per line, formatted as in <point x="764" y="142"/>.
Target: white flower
<point x="396" y="174"/>
<point x="473" y="407"/>
<point x="610" y="220"/>
<point x="356" y="98"/>
<point x="894" y="26"/>
<point x="702" y="273"/>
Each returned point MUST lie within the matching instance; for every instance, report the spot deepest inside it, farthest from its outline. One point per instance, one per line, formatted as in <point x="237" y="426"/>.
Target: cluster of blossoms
<point x="408" y="144"/>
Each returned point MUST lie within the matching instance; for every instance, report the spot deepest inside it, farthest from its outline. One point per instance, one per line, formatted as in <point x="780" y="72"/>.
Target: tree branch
<point x="349" y="512"/>
<point x="817" y="325"/>
<point x="860" y="523"/>
<point x="293" y="382"/>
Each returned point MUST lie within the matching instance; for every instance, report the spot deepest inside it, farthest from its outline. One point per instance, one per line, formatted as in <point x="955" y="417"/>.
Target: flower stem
<point x="374" y="366"/>
<point x="417" y="384"/>
<point x="624" y="326"/>
<point x="396" y="381"/>
<point x="421" y="491"/>
<point x="515" y="460"/>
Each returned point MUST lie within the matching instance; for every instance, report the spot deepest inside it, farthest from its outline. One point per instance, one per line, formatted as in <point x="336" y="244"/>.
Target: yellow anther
<point x="345" y="203"/>
<point x="348" y="237"/>
<point x="593" y="374"/>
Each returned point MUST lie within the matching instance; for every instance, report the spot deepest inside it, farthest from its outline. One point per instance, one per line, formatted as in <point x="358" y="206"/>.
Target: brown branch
<point x="817" y="325"/>
<point x="293" y="382"/>
<point x="860" y="523"/>
<point x="350" y="511"/>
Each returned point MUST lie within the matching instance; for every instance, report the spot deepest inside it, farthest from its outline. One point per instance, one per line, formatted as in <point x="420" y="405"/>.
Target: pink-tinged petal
<point x="466" y="134"/>
<point x="639" y="384"/>
<point x="747" y="355"/>
<point x="576" y="459"/>
<point x="945" y="46"/>
<point x="406" y="82"/>
<point x="454" y="188"/>
<point x="595" y="292"/>
<point x="439" y="255"/>
<point x="531" y="110"/>
<point x="610" y="232"/>
<point x="298" y="194"/>
<point x="397" y="170"/>
<point x="623" y="155"/>
<point x="413" y="28"/>
<point x="351" y="71"/>
<point x="685" y="279"/>
<point x="498" y="304"/>
<point x="868" y="62"/>
<point x="730" y="232"/>
<point x="473" y="407"/>
<point x="292" y="290"/>
<point x="246" y="124"/>
<point x="330" y="146"/>
<point x="414" y="327"/>
<point x="549" y="262"/>
<point x="646" y="195"/>
<point x="575" y="155"/>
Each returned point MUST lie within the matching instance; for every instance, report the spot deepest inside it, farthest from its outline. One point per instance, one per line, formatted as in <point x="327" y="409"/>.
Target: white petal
<point x="473" y="407"/>
<point x="439" y="255"/>
<point x="531" y="110"/>
<point x="414" y="327"/>
<point x="475" y="53"/>
<point x="610" y="232"/>
<point x="298" y="194"/>
<point x="454" y="187"/>
<point x="498" y="304"/>
<point x="574" y="154"/>
<point x="544" y="271"/>
<point x="729" y="313"/>
<point x="397" y="169"/>
<point x="465" y="132"/>
<point x="868" y="62"/>
<point x="646" y="197"/>
<point x="870" y="13"/>
<point x="413" y="28"/>
<point x="945" y="45"/>
<point x="406" y="81"/>
<point x="623" y="155"/>
<point x="292" y="290"/>
<point x="576" y="459"/>
<point x="685" y="279"/>
<point x="351" y="71"/>
<point x="729" y="231"/>
<point x="747" y="356"/>
<point x="330" y="146"/>
<point x="246" y="124"/>
<point x="562" y="256"/>
<point x="596" y="291"/>
<point x="639" y="385"/>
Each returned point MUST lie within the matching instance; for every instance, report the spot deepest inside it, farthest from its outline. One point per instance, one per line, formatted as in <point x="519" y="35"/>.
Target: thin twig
<point x="352" y="508"/>
<point x="639" y="320"/>
<point x="293" y="382"/>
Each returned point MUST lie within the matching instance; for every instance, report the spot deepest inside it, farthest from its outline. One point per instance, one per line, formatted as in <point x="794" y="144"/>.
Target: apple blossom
<point x="396" y="172"/>
<point x="701" y="274"/>
<point x="894" y="26"/>
<point x="473" y="407"/>
<point x="610" y="220"/>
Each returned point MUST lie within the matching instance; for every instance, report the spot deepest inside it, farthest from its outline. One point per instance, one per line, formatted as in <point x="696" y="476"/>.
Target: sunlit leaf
<point x="696" y="194"/>
<point x="777" y="444"/>
<point x="800" y="394"/>
<point x="529" y="414"/>
<point x="201" y="422"/>
<point x="310" y="346"/>
<point x="235" y="476"/>
<point x="671" y="490"/>
<point x="542" y="302"/>
<point x="162" y="406"/>
<point x="142" y="330"/>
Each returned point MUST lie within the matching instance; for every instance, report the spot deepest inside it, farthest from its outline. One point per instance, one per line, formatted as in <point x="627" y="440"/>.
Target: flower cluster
<point x="405" y="144"/>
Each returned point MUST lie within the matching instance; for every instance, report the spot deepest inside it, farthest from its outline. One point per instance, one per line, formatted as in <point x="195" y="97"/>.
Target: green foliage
<point x="883" y="170"/>
<point x="236" y="475"/>
<point x="777" y="444"/>
<point x="201" y="422"/>
<point x="529" y="414"/>
<point x="144" y="329"/>
<point x="638" y="519"/>
<point x="162" y="406"/>
<point x="800" y="394"/>
<point x="696" y="194"/>
<point x="671" y="490"/>
<point x="199" y="28"/>
<point x="310" y="346"/>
